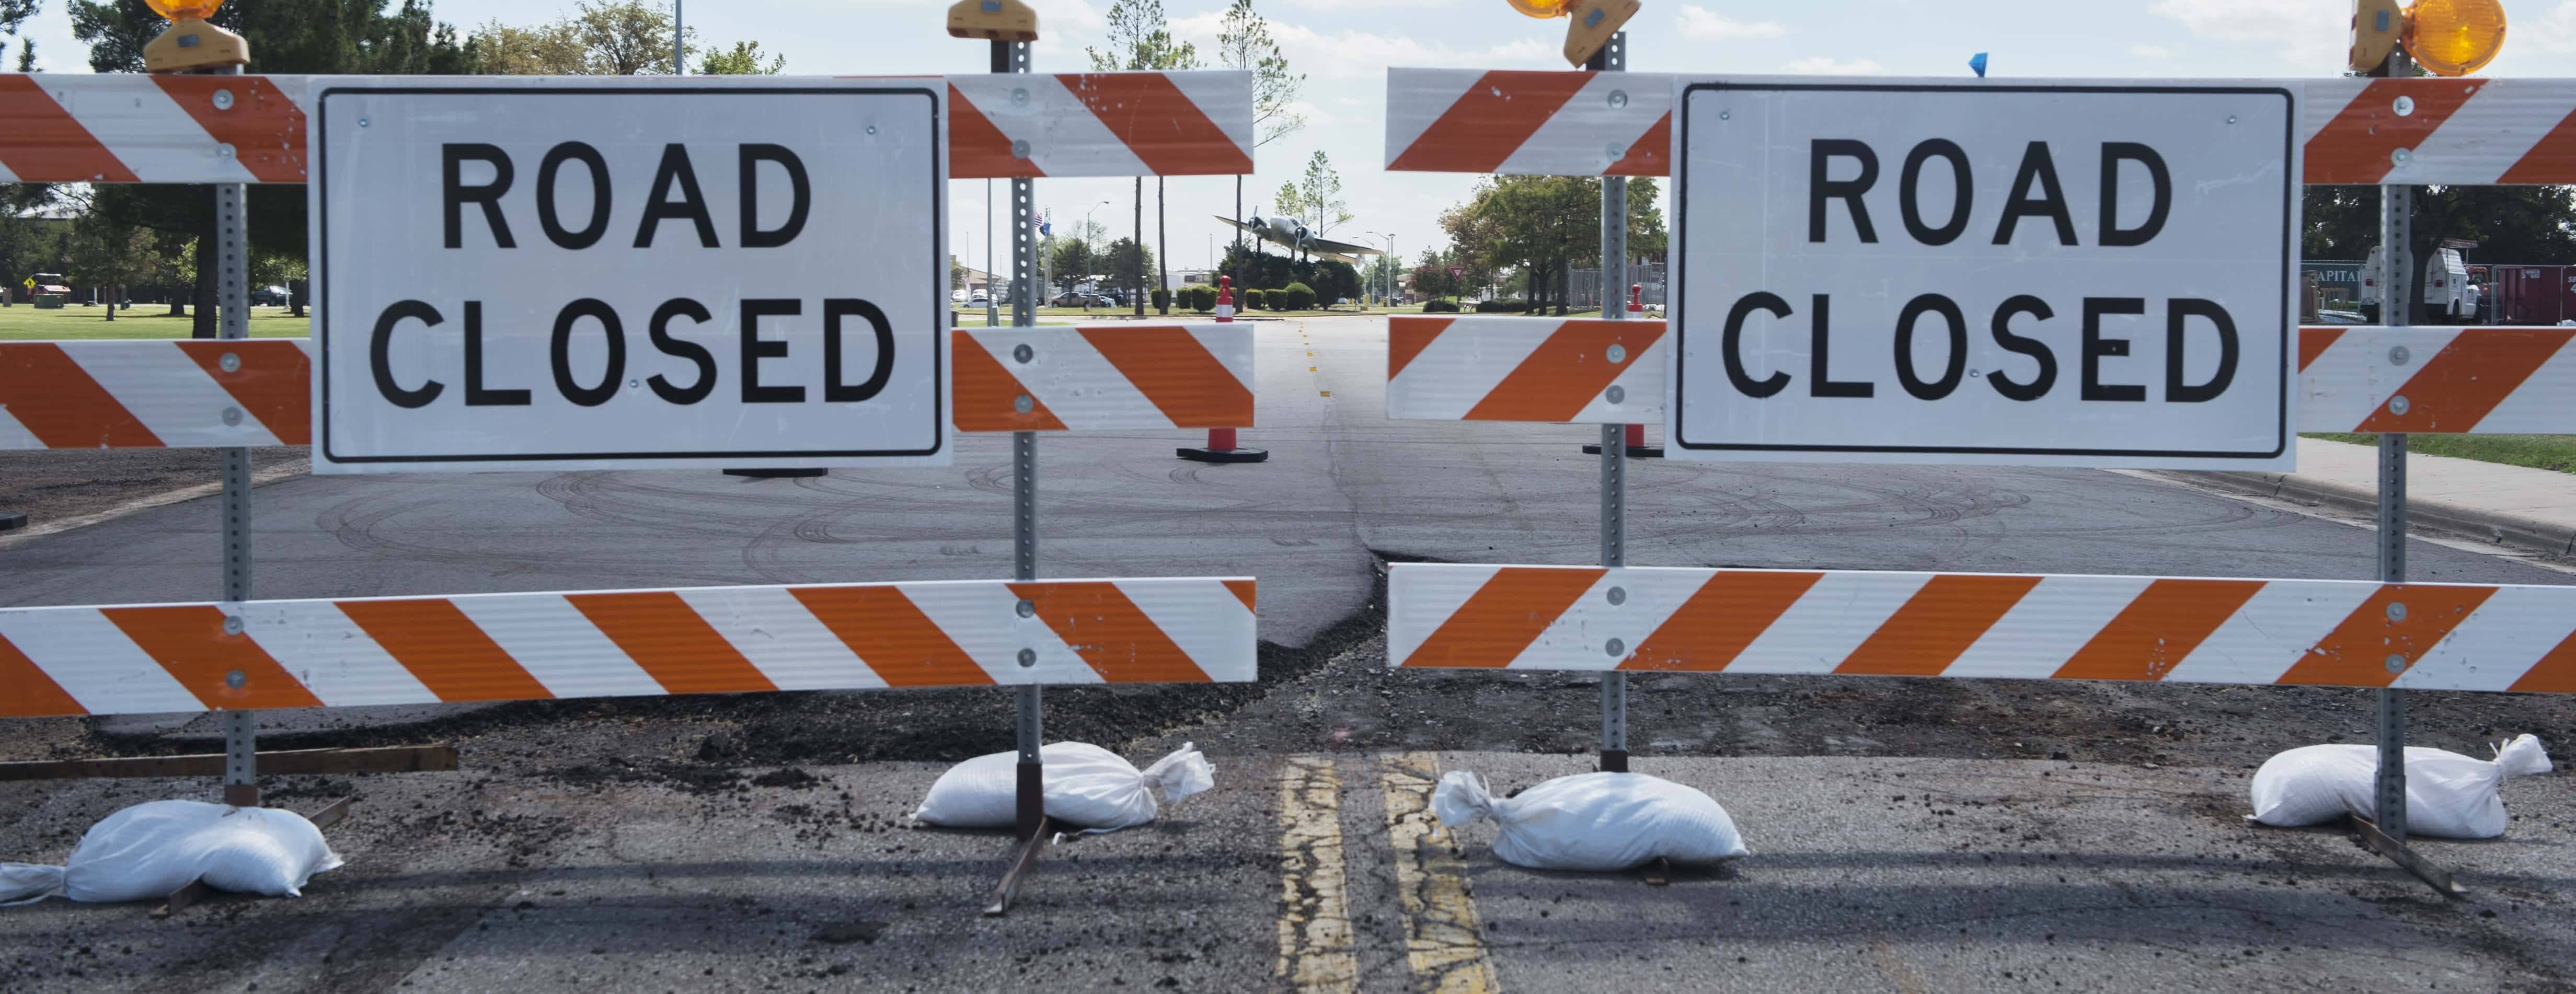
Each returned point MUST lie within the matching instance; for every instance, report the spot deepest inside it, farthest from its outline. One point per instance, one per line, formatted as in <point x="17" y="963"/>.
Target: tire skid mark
<point x="1443" y="937"/>
<point x="1314" y="916"/>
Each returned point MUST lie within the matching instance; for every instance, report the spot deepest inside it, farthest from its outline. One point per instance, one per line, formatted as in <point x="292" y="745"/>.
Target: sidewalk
<point x="2532" y="509"/>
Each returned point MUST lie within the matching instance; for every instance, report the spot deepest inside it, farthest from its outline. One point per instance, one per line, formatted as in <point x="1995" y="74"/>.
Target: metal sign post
<point x="232" y="303"/>
<point x="2396" y="209"/>
<point x="1030" y="823"/>
<point x="1613" y="57"/>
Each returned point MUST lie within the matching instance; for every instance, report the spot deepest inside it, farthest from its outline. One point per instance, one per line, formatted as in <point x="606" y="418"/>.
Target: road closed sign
<point x="518" y="276"/>
<point x="2050" y="275"/>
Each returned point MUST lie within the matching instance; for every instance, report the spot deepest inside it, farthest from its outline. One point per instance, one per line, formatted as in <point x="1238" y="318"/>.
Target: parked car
<point x="979" y="300"/>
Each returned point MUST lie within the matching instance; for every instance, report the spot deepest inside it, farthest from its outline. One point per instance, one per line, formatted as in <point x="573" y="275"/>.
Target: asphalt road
<point x="1909" y="835"/>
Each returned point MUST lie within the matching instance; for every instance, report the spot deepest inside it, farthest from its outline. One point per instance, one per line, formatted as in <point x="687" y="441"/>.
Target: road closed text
<point x="2043" y="276"/>
<point x="517" y="278"/>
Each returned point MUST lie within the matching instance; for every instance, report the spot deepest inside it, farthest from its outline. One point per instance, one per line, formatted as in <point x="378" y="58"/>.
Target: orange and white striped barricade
<point x="1103" y="377"/>
<point x="622" y="643"/>
<point x="186" y="394"/>
<point x="129" y="128"/>
<point x="2360" y="131"/>
<point x="1481" y="368"/>
<point x="2343" y="633"/>
<point x="2422" y="380"/>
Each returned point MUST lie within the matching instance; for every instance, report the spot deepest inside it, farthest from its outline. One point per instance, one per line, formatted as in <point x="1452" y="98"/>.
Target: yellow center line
<point x="1443" y="938"/>
<point x="1314" y="916"/>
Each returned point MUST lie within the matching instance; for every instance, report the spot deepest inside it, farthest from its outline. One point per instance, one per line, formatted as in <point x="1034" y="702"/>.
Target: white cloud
<point x="1701" y="24"/>
<point x="2151" y="51"/>
<point x="2553" y="32"/>
<point x="2309" y="34"/>
<point x="1361" y="56"/>
<point x="1820" y="65"/>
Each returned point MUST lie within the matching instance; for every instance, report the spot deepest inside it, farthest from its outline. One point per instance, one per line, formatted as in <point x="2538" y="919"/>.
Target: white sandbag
<point x="2448" y="795"/>
<point x="146" y="851"/>
<point x="1594" y="821"/>
<point x="1086" y="785"/>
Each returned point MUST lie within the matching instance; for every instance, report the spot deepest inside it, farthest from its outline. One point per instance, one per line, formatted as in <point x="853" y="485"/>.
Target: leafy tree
<point x="1141" y="38"/>
<point x="286" y="37"/>
<point x="13" y="16"/>
<point x="1319" y="198"/>
<point x="1243" y="42"/>
<point x="544" y="50"/>
<point x="743" y="59"/>
<point x="1127" y="262"/>
<point x="600" y="38"/>
<point x="112" y="257"/>
<point x="1070" y="262"/>
<point x="2533" y="225"/>
<point x="1540" y="225"/>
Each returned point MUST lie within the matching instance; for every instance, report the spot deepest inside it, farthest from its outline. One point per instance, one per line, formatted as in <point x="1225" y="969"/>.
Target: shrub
<point x="1201" y="299"/>
<point x="1440" y="307"/>
<point x="1163" y="301"/>
<point x="1252" y="299"/>
<point x="1300" y="297"/>
<point x="1505" y="305"/>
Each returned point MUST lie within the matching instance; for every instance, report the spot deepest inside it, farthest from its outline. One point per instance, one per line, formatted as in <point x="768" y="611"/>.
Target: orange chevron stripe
<point x="1406" y="337"/>
<point x="1110" y="632"/>
<point x="1566" y="371"/>
<point x="892" y="636"/>
<point x="1243" y="591"/>
<point x="2314" y="342"/>
<point x="2461" y="384"/>
<point x="666" y="637"/>
<point x="977" y="148"/>
<point x="2552" y="159"/>
<point x="1159" y="123"/>
<point x="2354" y="147"/>
<point x="2158" y="629"/>
<point x="1650" y="155"/>
<point x="1178" y="374"/>
<point x="1937" y="624"/>
<point x="264" y="127"/>
<point x="1722" y="617"/>
<point x="985" y="392"/>
<point x="189" y="641"/>
<point x="31" y="692"/>
<point x="1504" y="616"/>
<point x="274" y="383"/>
<point x="59" y="403"/>
<point x="2554" y="673"/>
<point x="2355" y="654"/>
<point x="1490" y="121"/>
<point x="46" y="144"/>
<point x="444" y="650"/>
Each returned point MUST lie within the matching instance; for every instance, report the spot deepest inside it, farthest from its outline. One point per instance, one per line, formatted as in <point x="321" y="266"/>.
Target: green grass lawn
<point x="2551" y="452"/>
<point x="21" y="322"/>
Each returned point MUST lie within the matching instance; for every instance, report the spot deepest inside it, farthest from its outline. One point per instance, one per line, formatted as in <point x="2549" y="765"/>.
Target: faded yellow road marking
<point x="1315" y="915"/>
<point x="1443" y="938"/>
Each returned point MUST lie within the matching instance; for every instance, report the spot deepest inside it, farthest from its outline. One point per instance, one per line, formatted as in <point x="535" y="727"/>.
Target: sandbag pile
<point x="1086" y="785"/>
<point x="2448" y="795"/>
<point x="151" y="849"/>
<point x="1594" y="821"/>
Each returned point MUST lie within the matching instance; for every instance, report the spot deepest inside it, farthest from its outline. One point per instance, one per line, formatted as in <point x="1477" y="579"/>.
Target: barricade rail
<point x="2344" y="633"/>
<point x="2449" y="131"/>
<point x="170" y="128"/>
<point x="2426" y="380"/>
<point x="617" y="643"/>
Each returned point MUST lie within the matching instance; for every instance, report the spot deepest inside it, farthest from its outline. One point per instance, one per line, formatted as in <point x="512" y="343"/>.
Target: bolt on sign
<point x="2046" y="275"/>
<point x="646" y="276"/>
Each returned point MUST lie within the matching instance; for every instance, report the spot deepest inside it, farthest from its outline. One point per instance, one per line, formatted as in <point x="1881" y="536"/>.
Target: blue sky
<point x="1345" y="46"/>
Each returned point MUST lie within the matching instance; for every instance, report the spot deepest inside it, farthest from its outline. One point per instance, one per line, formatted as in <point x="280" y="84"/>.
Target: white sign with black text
<point x="1989" y="273"/>
<point x="540" y="275"/>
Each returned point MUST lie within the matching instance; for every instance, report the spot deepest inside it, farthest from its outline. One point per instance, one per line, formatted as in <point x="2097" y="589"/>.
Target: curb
<point x="2499" y="527"/>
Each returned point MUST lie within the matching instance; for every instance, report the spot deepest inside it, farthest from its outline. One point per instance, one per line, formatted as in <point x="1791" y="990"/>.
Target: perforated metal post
<point x="1613" y="57"/>
<point x="232" y="304"/>
<point x="2396" y="205"/>
<point x="1031" y="732"/>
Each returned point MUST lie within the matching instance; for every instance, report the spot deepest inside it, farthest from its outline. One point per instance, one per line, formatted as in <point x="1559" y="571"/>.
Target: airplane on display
<point x="1290" y="232"/>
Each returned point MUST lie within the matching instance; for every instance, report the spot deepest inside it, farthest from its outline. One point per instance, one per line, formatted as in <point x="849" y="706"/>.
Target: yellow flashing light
<point x="190" y="43"/>
<point x="1541" y="9"/>
<point x="2454" y="37"/>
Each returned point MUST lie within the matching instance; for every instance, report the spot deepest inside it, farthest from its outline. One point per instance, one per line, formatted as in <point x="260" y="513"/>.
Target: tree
<point x="600" y="38"/>
<point x="2533" y="225"/>
<point x="1243" y="42"/>
<point x="625" y="37"/>
<point x="1540" y="225"/>
<point x="286" y="37"/>
<point x="13" y="16"/>
<point x="1140" y="38"/>
<point x="1319" y="199"/>
<point x="1070" y="262"/>
<point x="1127" y="262"/>
<point x="741" y="60"/>
<point x="544" y="50"/>
<point x="112" y="257"/>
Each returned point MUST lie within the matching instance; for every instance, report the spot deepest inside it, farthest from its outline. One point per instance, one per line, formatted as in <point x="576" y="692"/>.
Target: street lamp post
<point x="1386" y="276"/>
<point x="1086" y="244"/>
